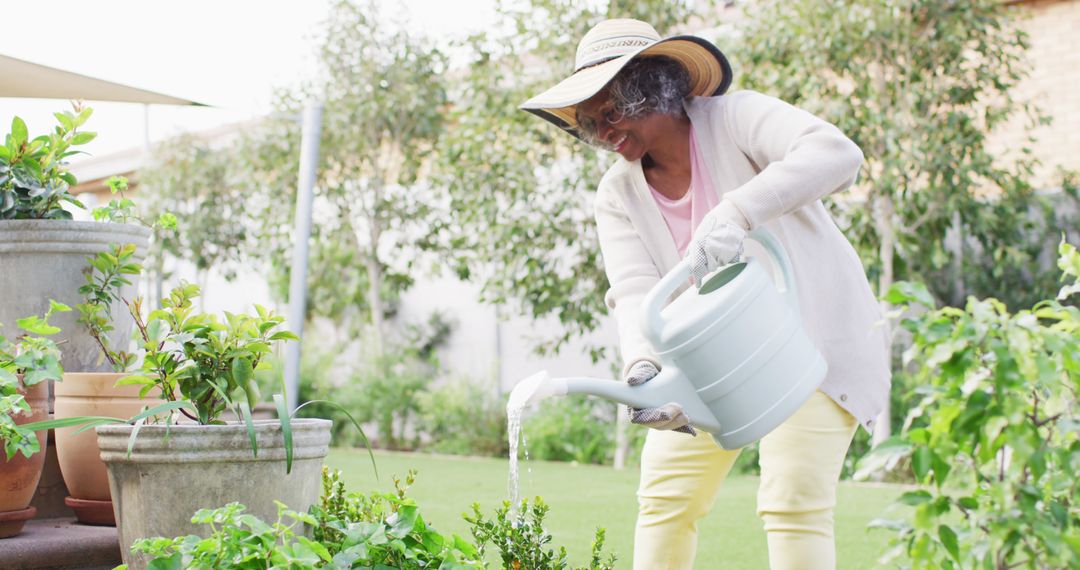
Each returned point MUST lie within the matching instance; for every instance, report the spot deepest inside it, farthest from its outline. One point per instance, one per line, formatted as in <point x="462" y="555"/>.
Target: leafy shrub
<point x="391" y="386"/>
<point x="575" y="428"/>
<point x="349" y="530"/>
<point x="384" y="529"/>
<point x="356" y="530"/>
<point x="36" y="359"/>
<point x="209" y="362"/>
<point x="464" y="418"/>
<point x="237" y="540"/>
<point x="994" y="441"/>
<point x="522" y="541"/>
<point x="34" y="178"/>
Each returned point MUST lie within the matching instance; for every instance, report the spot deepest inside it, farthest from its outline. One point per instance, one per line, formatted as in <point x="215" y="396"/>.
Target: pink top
<point x="684" y="214"/>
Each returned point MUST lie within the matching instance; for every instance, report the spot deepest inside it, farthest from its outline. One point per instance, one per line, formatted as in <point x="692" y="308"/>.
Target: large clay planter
<point x="19" y="476"/>
<point x="45" y="259"/>
<point x="87" y="479"/>
<point x="165" y="481"/>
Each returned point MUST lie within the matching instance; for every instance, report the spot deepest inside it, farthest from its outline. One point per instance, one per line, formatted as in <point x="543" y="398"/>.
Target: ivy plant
<point x="34" y="178"/>
<point x="994" y="441"/>
<point x="36" y="359"/>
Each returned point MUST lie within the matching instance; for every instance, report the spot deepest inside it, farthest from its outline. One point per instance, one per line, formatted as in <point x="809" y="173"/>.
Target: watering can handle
<point x="657" y="297"/>
<point x="781" y="265"/>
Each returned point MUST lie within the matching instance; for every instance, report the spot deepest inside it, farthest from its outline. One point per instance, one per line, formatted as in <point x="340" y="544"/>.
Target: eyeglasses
<point x="589" y="125"/>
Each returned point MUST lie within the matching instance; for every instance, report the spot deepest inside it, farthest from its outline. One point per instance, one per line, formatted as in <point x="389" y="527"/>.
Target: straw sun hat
<point x="612" y="44"/>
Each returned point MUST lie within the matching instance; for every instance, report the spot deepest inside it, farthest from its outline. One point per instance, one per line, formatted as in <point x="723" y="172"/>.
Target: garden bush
<point x="994" y="441"/>
<point x="575" y="428"/>
<point x="357" y="530"/>
<point x="463" y="417"/>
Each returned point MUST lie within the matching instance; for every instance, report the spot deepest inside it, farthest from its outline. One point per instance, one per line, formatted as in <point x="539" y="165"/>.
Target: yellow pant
<point x="800" y="468"/>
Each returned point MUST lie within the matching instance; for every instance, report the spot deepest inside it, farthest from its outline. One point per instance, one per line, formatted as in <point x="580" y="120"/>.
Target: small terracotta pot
<point x="19" y="476"/>
<point x="87" y="479"/>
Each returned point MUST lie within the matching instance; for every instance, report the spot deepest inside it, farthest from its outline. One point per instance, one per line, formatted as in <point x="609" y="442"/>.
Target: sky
<point x="230" y="54"/>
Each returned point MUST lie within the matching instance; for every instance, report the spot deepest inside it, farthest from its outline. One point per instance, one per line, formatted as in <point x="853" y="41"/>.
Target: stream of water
<point x="526" y="392"/>
<point x="513" y="424"/>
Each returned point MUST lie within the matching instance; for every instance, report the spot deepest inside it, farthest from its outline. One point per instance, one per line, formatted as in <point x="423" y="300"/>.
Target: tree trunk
<point x="622" y="436"/>
<point x="885" y="222"/>
<point x="374" y="271"/>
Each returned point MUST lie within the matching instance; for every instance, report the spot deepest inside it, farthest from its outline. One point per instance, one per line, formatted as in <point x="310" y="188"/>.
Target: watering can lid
<point x="724" y="295"/>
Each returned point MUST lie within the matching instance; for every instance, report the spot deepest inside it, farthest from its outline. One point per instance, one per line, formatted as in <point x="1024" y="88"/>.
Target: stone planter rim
<point x="188" y="443"/>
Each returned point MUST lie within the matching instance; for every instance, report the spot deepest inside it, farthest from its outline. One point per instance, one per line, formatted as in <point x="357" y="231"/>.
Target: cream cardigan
<point x="773" y="162"/>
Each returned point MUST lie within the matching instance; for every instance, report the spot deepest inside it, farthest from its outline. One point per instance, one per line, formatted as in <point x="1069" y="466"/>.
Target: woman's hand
<point x="670" y="416"/>
<point x="718" y="240"/>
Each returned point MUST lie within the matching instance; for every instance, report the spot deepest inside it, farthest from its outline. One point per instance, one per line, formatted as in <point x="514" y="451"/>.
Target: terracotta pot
<point x="87" y="479"/>
<point x="19" y="476"/>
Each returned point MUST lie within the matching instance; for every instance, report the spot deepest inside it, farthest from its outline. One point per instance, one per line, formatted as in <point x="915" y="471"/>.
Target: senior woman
<point x="697" y="170"/>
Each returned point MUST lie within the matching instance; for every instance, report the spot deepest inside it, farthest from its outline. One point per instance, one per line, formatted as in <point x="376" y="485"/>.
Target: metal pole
<point x="309" y="161"/>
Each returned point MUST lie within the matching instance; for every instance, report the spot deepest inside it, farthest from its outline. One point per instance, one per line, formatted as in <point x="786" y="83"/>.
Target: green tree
<point x="993" y="439"/>
<point x="193" y="179"/>
<point x="383" y="98"/>
<point x="919" y="85"/>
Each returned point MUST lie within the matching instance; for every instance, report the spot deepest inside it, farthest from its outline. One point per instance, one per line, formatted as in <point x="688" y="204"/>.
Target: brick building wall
<point x="1053" y="28"/>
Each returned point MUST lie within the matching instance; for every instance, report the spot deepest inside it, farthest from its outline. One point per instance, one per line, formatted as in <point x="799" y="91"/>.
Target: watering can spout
<point x="669" y="386"/>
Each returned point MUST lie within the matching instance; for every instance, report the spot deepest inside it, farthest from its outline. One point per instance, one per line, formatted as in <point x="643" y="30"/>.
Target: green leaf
<point x="134" y="434"/>
<point x="284" y="335"/>
<point x="920" y="462"/>
<point x="286" y="429"/>
<point x="355" y="423"/>
<point x="161" y="409"/>
<point x="914" y="498"/>
<point x="57" y="307"/>
<point x="242" y="371"/>
<point x="174" y="562"/>
<point x="82" y="138"/>
<point x="404" y="523"/>
<point x="245" y="412"/>
<point x="36" y="325"/>
<point x="65" y="120"/>
<point x="886" y="453"/>
<point x="18" y="132"/>
<point x="92" y="421"/>
<point x="135" y="380"/>
<point x="948" y="539"/>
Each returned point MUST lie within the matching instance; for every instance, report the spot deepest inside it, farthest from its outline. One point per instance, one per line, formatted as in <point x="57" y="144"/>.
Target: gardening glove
<point x="669" y="416"/>
<point x="717" y="241"/>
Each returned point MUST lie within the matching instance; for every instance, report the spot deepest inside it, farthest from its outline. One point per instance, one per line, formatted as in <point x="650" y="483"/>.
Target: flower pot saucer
<point x="89" y="511"/>
<point x="11" y="522"/>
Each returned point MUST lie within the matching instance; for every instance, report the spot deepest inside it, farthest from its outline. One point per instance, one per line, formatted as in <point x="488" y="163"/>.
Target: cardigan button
<point x="843" y="397"/>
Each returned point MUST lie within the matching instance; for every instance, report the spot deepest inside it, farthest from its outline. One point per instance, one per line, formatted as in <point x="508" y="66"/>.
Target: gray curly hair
<point x="644" y="86"/>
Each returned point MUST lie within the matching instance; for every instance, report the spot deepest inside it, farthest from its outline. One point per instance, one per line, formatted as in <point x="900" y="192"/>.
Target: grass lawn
<point x="583" y="497"/>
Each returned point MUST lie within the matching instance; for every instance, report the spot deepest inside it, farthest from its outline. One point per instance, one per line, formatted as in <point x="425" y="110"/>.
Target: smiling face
<point x="631" y="137"/>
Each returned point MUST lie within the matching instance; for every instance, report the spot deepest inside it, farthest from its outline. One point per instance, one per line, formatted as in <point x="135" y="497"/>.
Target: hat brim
<point x="710" y="74"/>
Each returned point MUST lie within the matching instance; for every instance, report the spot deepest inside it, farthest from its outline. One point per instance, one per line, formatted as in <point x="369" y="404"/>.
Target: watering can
<point x="733" y="352"/>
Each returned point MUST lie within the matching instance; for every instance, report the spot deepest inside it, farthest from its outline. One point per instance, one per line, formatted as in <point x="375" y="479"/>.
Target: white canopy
<point x="20" y="78"/>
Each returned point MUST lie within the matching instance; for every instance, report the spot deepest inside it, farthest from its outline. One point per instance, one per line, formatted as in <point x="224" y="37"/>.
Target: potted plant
<point x="96" y="393"/>
<point x="42" y="250"/>
<point x="26" y="366"/>
<point x="204" y="367"/>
